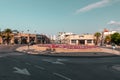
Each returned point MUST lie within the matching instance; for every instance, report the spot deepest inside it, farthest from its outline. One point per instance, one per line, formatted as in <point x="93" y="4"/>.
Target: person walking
<point x="113" y="46"/>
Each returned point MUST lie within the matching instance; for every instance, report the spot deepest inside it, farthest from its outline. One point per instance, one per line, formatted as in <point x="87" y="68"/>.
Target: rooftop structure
<point x="107" y="32"/>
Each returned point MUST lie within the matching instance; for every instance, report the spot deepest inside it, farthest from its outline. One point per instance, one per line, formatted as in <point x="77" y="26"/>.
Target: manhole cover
<point x="116" y="67"/>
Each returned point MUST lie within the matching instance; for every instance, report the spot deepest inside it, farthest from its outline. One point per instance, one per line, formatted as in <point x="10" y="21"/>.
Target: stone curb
<point x="65" y="54"/>
<point x="71" y="56"/>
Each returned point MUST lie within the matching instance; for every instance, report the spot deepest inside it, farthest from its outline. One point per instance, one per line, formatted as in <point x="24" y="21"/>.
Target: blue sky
<point x="53" y="16"/>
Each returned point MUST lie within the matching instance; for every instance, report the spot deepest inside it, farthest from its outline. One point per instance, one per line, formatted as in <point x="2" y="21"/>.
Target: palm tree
<point x="1" y="35"/>
<point x="97" y="37"/>
<point x="7" y="35"/>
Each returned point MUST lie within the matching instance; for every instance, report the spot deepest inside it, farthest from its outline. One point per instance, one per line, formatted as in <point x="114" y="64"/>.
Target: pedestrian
<point x="113" y="46"/>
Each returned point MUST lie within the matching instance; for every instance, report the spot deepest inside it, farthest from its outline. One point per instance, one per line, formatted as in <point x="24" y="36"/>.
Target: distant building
<point x="75" y="39"/>
<point x="85" y="39"/>
<point x="53" y="39"/>
<point x="61" y="37"/>
<point x="24" y="38"/>
<point x="107" y="32"/>
<point x="42" y="39"/>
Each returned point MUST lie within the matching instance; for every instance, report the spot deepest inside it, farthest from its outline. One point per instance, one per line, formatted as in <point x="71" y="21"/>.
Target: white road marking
<point x="57" y="62"/>
<point x="28" y="63"/>
<point x="53" y="62"/>
<point x="47" y="60"/>
<point x="62" y="59"/>
<point x="21" y="71"/>
<point x="116" y="67"/>
<point x="64" y="77"/>
<point x="42" y="68"/>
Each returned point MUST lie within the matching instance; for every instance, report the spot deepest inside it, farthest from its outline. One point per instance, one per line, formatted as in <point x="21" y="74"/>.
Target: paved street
<point x="20" y="66"/>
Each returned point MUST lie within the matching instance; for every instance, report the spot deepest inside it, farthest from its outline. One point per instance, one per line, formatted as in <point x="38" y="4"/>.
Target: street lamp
<point x="102" y="39"/>
<point x="28" y="36"/>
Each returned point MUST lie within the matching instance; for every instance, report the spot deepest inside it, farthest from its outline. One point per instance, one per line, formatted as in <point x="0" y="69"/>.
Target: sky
<point x="53" y="16"/>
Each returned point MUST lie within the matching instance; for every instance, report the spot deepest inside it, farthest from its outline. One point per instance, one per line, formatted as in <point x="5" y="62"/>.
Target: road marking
<point x="47" y="60"/>
<point x="57" y="62"/>
<point x="21" y="71"/>
<point x="62" y="59"/>
<point x="53" y="62"/>
<point x="28" y="63"/>
<point x="64" y="77"/>
<point x="42" y="68"/>
<point x="116" y="67"/>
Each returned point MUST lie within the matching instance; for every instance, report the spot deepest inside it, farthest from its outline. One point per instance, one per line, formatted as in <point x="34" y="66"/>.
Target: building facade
<point x="25" y="38"/>
<point x="85" y="39"/>
<point x="75" y="39"/>
<point x="62" y="36"/>
<point x="105" y="33"/>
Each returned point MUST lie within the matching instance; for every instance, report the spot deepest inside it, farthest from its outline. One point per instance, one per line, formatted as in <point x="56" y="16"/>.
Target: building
<point x="106" y="32"/>
<point x="85" y="39"/>
<point x="61" y="37"/>
<point x="75" y="39"/>
<point x="42" y="39"/>
<point x="25" y="38"/>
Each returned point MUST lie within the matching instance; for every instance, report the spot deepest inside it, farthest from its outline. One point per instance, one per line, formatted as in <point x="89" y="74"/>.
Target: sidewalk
<point x="36" y="50"/>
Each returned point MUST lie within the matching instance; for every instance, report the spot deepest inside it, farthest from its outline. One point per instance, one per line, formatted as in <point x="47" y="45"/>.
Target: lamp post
<point x="102" y="39"/>
<point x="28" y="39"/>
<point x="28" y="36"/>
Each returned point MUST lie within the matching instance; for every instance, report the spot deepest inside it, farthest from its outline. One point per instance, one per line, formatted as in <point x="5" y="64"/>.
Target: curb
<point x="76" y="56"/>
<point x="49" y="54"/>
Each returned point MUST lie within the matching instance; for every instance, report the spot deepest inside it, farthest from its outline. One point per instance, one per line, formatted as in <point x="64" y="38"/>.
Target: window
<point x="89" y="41"/>
<point x="73" y="41"/>
<point x="82" y="42"/>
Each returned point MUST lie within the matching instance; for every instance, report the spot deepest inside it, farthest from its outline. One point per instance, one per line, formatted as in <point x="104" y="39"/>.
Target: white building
<point x="75" y="39"/>
<point x="85" y="39"/>
<point x="62" y="35"/>
<point x="107" y="32"/>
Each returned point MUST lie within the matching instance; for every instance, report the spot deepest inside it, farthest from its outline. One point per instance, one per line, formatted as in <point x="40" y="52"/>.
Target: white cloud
<point x="99" y="4"/>
<point x="115" y="23"/>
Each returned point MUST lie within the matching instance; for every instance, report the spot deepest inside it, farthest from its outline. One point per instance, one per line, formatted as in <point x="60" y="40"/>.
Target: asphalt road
<point x="20" y="66"/>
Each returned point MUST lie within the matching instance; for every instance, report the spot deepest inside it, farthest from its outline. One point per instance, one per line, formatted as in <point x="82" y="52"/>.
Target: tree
<point x="15" y="31"/>
<point x="0" y="34"/>
<point x="108" y="39"/>
<point x="97" y="37"/>
<point x="7" y="35"/>
<point x="115" y="38"/>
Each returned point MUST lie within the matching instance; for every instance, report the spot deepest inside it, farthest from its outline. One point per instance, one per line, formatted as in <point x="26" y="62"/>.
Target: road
<point x="20" y="66"/>
<point x="51" y="68"/>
